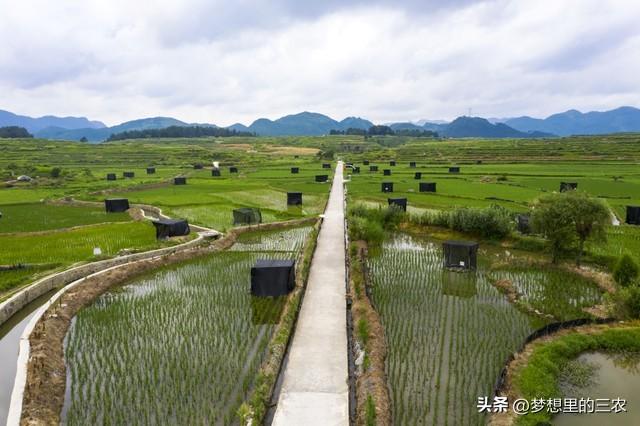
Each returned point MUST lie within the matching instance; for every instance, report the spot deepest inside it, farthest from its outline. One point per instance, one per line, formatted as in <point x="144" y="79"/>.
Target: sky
<point x="223" y="62"/>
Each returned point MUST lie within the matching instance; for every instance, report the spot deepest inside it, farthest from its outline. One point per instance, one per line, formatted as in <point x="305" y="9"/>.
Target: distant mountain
<point x="572" y="122"/>
<point x="354" y="123"/>
<point x="476" y="127"/>
<point x="98" y="135"/>
<point x="405" y="126"/>
<point x="35" y="124"/>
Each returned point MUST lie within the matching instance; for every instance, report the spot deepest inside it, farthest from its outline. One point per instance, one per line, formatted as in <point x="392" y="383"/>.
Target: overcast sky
<point x="223" y="62"/>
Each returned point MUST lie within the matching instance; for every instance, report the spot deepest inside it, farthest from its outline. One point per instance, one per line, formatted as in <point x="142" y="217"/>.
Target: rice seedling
<point x="449" y="333"/>
<point x="555" y="292"/>
<point x="181" y="345"/>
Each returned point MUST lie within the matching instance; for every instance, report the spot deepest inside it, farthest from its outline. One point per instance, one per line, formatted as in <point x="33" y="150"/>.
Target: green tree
<point x="55" y="172"/>
<point x="626" y="270"/>
<point x="567" y="220"/>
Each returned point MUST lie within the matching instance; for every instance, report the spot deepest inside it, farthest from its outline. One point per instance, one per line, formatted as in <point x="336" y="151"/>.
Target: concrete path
<point x="315" y="389"/>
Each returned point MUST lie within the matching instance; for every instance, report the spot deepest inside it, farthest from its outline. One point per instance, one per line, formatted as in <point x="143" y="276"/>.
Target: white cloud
<point x="209" y="62"/>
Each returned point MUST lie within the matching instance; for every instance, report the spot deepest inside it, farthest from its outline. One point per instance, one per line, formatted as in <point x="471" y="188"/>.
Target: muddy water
<point x="615" y="376"/>
<point x="10" y="333"/>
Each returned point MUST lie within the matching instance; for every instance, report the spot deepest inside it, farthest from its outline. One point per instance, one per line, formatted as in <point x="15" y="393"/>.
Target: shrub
<point x="626" y="302"/>
<point x="491" y="222"/>
<point x="626" y="270"/>
<point x="369" y="224"/>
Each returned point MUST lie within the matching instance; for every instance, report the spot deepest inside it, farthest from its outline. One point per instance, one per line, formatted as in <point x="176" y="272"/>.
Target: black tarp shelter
<point x="180" y="180"/>
<point x="233" y="170"/>
<point x="294" y="198"/>
<point x="373" y="168"/>
<point x="392" y="162"/>
<point x="568" y="186"/>
<point x="356" y="169"/>
<point x="633" y="215"/>
<point x="386" y="186"/>
<point x="295" y="170"/>
<point x="412" y="164"/>
<point x="151" y="170"/>
<point x="427" y="187"/>
<point x="400" y="202"/>
<point x="386" y="172"/>
<point x="128" y="174"/>
<point x="326" y="165"/>
<point x="271" y="277"/>
<point x="523" y="224"/>
<point x="247" y="216"/>
<point x="454" y="169"/>
<point x="365" y="162"/>
<point x="460" y="254"/>
<point x="478" y="161"/>
<point x="215" y="172"/>
<point x="198" y="166"/>
<point x="322" y="178"/>
<point x="111" y="176"/>
<point x="116" y="205"/>
<point x="166" y="228"/>
<point x="417" y="175"/>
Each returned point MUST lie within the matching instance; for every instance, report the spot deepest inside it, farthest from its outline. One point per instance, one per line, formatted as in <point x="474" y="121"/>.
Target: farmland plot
<point x="448" y="333"/>
<point x="181" y="345"/>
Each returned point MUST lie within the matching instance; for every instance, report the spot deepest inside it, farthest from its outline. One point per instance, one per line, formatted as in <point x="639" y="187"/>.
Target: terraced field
<point x="179" y="345"/>
<point x="449" y="333"/>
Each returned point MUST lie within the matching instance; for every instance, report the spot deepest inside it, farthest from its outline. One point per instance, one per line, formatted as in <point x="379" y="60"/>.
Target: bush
<point x="369" y="224"/>
<point x="491" y="222"/>
<point x="626" y="302"/>
<point x="626" y="270"/>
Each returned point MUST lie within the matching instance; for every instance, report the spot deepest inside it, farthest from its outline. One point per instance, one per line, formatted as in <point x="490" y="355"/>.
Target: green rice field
<point x="449" y="333"/>
<point x="180" y="345"/>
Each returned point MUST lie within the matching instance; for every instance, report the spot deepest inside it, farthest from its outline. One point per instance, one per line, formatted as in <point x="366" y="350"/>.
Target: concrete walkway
<point x="315" y="389"/>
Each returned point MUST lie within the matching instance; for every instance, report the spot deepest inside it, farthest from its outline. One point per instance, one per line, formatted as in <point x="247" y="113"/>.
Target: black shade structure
<point x="233" y="170"/>
<point x="116" y="205"/>
<point x="460" y="254"/>
<point x="151" y="170"/>
<point x="180" y="180"/>
<point x="111" y="176"/>
<point x="478" y="161"/>
<point x="633" y="215"/>
<point x="273" y="277"/>
<point x="454" y="169"/>
<point x="386" y="172"/>
<point x="322" y="178"/>
<point x="356" y="169"/>
<point x="392" y="163"/>
<point x="417" y="175"/>
<point x="166" y="228"/>
<point x="523" y="225"/>
<point x="294" y="198"/>
<point x="386" y="187"/>
<point x="128" y="174"/>
<point x="399" y="202"/>
<point x="412" y="164"/>
<point x="568" y="186"/>
<point x="295" y="170"/>
<point x="215" y="172"/>
<point x="326" y="165"/>
<point x="427" y="187"/>
<point x="247" y="216"/>
<point x="198" y="166"/>
<point x="365" y="162"/>
<point x="373" y="168"/>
